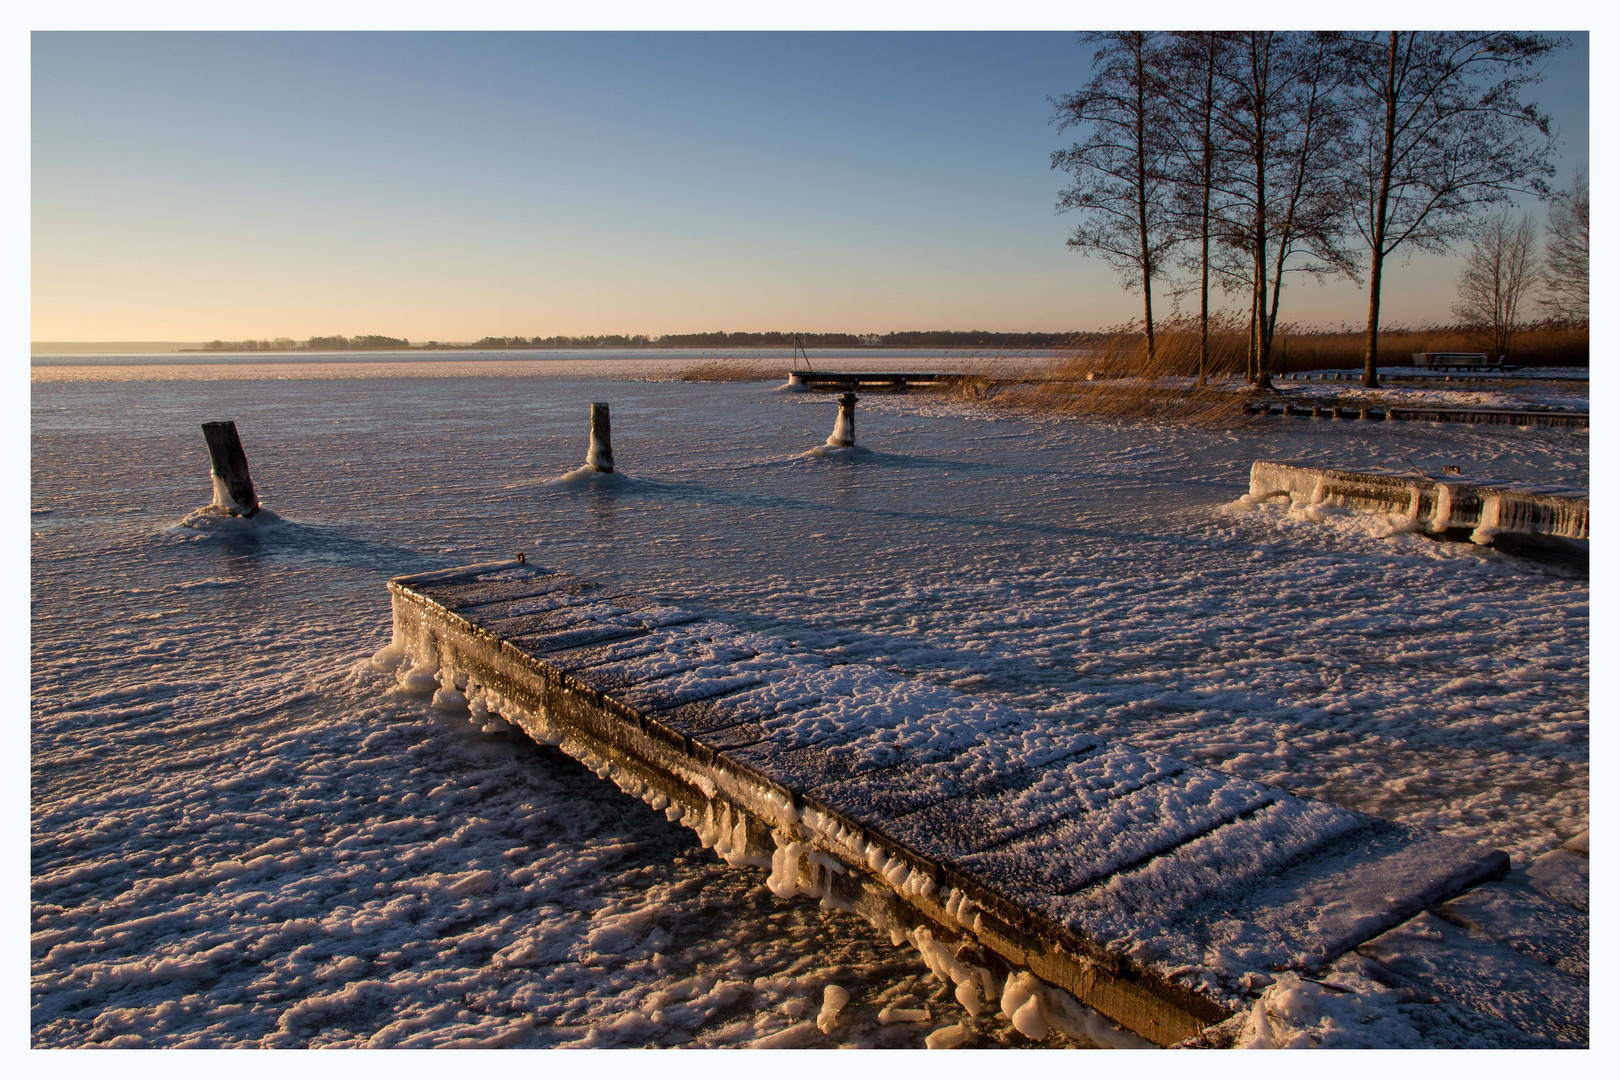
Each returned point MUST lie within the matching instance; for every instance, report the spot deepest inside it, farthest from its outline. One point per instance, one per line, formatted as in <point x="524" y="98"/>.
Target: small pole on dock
<point x="844" y="429"/>
<point x="233" y="487"/>
<point x="600" y="456"/>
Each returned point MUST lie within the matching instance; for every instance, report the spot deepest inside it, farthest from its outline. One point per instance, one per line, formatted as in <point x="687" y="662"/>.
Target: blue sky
<point x="446" y="186"/>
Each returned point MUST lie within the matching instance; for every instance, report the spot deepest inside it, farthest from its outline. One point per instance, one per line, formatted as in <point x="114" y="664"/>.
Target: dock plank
<point x="1077" y="852"/>
<point x="979" y="771"/>
<point x="1032" y="800"/>
<point x="502" y="587"/>
<point x="1363" y="876"/>
<point x="530" y="629"/>
<point x="618" y="660"/>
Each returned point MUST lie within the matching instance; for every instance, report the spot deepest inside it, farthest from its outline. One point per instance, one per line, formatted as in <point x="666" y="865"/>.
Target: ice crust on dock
<point x="1483" y="508"/>
<point x="1202" y="880"/>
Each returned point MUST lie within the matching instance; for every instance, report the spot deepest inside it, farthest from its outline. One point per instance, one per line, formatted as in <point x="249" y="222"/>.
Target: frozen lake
<point x="242" y="834"/>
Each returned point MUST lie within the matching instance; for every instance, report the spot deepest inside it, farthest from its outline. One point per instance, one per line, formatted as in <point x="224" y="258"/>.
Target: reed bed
<point x="1546" y="344"/>
<point x="734" y="371"/>
<point x="1109" y="375"/>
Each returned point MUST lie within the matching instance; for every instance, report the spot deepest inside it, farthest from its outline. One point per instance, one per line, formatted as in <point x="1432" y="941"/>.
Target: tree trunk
<point x="1257" y="313"/>
<point x="1369" y="374"/>
<point x="1248" y="368"/>
<point x="1209" y="164"/>
<point x="1141" y="199"/>
<point x="1375" y="281"/>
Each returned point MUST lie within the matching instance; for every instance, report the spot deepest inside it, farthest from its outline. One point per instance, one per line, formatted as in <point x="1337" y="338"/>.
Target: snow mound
<point x="1299" y="1013"/>
<point x="829" y="450"/>
<point x="590" y="478"/>
<point x="217" y="519"/>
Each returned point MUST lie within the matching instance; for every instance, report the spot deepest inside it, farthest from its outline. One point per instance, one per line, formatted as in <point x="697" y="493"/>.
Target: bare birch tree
<point x="1495" y="284"/>
<point x="1282" y="182"/>
<point x="1443" y="135"/>
<point x="1195" y="95"/>
<point x="1121" y="184"/>
<point x="1569" y="250"/>
<point x="1311" y="212"/>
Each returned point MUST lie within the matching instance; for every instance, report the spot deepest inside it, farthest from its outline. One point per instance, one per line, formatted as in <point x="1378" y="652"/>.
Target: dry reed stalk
<point x="734" y="371"/>
<point x="1111" y="377"/>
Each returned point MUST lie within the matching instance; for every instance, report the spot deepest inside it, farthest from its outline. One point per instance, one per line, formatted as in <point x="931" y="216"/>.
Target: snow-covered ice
<point x="245" y="833"/>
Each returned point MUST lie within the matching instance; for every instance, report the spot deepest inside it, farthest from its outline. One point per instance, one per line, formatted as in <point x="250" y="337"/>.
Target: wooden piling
<point x="844" y="429"/>
<point x="600" y="456"/>
<point x="233" y="487"/>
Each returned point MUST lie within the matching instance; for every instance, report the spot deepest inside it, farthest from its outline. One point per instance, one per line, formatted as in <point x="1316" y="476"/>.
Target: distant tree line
<point x="932" y="339"/>
<point x="250" y="345"/>
<point x="562" y="341"/>
<point x="362" y="341"/>
<point x="1237" y="158"/>
<point x="720" y="339"/>
<point x="282" y="344"/>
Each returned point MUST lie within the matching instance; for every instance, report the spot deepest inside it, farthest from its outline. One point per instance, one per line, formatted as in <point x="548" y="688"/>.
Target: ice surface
<point x="1479" y="973"/>
<point x="1564" y="876"/>
<point x="303" y="849"/>
<point x="1521" y="917"/>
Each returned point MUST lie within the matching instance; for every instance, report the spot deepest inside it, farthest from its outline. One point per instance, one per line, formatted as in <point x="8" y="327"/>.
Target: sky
<point x="447" y="186"/>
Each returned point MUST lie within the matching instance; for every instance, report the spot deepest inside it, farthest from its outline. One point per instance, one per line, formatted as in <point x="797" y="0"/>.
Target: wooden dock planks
<point x="1125" y="878"/>
<point x="852" y="380"/>
<point x="1560" y="418"/>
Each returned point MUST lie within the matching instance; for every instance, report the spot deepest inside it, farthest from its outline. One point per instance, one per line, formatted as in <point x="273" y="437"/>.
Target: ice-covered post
<point x="844" y="429"/>
<point x="233" y="487"/>
<point x="600" y="456"/>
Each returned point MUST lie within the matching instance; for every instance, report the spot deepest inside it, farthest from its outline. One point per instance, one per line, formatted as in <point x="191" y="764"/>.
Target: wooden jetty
<point x="1500" y="378"/>
<point x="1568" y="418"/>
<point x="1453" y="505"/>
<point x="1460" y="361"/>
<point x="850" y="381"/>
<point x="1160" y="894"/>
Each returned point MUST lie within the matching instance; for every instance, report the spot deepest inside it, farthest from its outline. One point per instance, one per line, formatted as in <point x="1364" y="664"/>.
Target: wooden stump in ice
<point x="233" y="487"/>
<point x="844" y="427"/>
<point x="600" y="456"/>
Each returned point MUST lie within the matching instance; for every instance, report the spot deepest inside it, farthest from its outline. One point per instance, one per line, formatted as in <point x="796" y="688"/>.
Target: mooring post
<point x="233" y="487"/>
<point x="844" y="429"/>
<point x="600" y="456"/>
